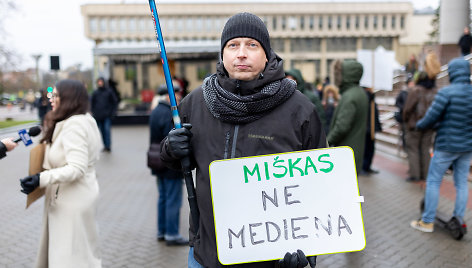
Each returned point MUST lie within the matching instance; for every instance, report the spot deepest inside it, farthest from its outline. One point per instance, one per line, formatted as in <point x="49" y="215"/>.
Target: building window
<point x="338" y="22"/>
<point x="274" y="23"/>
<point x="394" y="21"/>
<point x="113" y="25"/>
<point x="122" y="25"/>
<point x="366" y="22"/>
<point x="93" y="25"/>
<point x="330" y="22"/>
<point x="209" y="24"/>
<point x="305" y="44"/>
<point x="284" y="23"/>
<point x="103" y="25"/>
<point x="358" y="19"/>
<point x="277" y="44"/>
<point x="375" y="22"/>
<point x="180" y="25"/>
<point x="302" y="22"/>
<point x="373" y="42"/>
<point x="402" y="22"/>
<point x="292" y="23"/>
<point x="320" y="22"/>
<point x="348" y="22"/>
<point x="199" y="24"/>
<point x="189" y="26"/>
<point x="312" y="22"/>
<point x="341" y="44"/>
<point x="384" y="22"/>
<point x="132" y="25"/>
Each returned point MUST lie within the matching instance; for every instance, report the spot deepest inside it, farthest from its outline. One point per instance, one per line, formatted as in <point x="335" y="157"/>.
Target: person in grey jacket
<point x="451" y="113"/>
<point x="237" y="113"/>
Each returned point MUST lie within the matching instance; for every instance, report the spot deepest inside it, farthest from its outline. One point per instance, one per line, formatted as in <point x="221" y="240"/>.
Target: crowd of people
<point x="250" y="93"/>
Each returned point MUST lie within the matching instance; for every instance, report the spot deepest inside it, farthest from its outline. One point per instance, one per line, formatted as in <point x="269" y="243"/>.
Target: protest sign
<point x="265" y="206"/>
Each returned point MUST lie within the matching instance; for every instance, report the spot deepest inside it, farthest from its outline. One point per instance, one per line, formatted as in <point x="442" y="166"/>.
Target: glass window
<point x="132" y="25"/>
<point x="103" y="25"/>
<point x="373" y="42"/>
<point x="375" y="22"/>
<point x="312" y="22"/>
<point x="341" y="44"/>
<point x="93" y="25"/>
<point x="357" y="21"/>
<point x="384" y="22"/>
<point x="402" y="22"/>
<point x="284" y="22"/>
<point x="302" y="22"/>
<point x="209" y="24"/>
<point x="330" y="22"/>
<point x="338" y="22"/>
<point x="189" y="26"/>
<point x="123" y="25"/>
<point x="180" y="24"/>
<point x="199" y="24"/>
<point x="305" y="44"/>
<point x="292" y="23"/>
<point x="394" y="21"/>
<point x="277" y="44"/>
<point x="320" y="22"/>
<point x="113" y="25"/>
<point x="366" y="22"/>
<point x="274" y="23"/>
<point x="348" y="22"/>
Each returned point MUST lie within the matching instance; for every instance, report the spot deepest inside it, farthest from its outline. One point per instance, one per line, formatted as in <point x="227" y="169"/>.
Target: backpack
<point x="400" y="103"/>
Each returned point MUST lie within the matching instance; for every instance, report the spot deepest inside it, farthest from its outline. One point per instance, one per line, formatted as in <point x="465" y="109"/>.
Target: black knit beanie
<point x="246" y="25"/>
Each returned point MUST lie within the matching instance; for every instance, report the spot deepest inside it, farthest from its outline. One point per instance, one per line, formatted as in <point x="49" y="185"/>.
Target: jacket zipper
<point x="226" y="144"/>
<point x="235" y="138"/>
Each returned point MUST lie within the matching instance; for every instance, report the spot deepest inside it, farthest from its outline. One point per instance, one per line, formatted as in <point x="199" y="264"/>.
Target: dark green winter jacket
<point x="301" y="86"/>
<point x="348" y="126"/>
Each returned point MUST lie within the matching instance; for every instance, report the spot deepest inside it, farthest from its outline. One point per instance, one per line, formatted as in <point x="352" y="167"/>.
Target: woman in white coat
<point x="69" y="231"/>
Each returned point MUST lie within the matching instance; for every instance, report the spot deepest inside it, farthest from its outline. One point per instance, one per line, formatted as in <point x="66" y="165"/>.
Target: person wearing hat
<point x="169" y="182"/>
<point x="236" y="112"/>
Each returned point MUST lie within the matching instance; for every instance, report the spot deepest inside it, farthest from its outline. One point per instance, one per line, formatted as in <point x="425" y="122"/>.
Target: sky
<point x="56" y="27"/>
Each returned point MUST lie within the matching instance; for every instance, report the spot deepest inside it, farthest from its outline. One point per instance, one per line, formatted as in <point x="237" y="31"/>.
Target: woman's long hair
<point x="73" y="99"/>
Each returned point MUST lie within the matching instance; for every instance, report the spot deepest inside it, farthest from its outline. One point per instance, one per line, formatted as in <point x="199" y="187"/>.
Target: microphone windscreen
<point x="34" y="131"/>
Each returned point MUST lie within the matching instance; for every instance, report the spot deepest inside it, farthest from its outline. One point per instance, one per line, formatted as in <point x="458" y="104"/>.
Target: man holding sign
<point x="247" y="108"/>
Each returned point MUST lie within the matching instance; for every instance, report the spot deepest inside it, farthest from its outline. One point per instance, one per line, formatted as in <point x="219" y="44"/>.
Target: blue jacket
<point x="452" y="109"/>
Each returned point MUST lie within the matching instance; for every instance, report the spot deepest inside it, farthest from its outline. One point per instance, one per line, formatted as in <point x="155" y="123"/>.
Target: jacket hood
<point x="459" y="70"/>
<point x="351" y="74"/>
<point x="298" y="77"/>
<point x="273" y="71"/>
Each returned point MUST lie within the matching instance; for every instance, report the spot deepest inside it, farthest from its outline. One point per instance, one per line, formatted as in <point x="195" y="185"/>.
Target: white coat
<point x="69" y="232"/>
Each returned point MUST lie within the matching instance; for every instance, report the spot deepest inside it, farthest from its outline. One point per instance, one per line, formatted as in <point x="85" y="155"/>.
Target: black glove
<point x="29" y="183"/>
<point x="297" y="260"/>
<point x="178" y="142"/>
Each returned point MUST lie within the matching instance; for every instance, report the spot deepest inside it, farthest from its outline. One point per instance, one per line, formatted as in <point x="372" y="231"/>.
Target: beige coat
<point x="69" y="231"/>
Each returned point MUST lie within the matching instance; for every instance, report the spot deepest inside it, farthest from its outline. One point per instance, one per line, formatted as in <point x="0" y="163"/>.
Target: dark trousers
<point x="369" y="150"/>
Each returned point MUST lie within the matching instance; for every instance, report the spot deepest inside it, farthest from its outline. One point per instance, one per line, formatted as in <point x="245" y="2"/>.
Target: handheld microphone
<point x="26" y="136"/>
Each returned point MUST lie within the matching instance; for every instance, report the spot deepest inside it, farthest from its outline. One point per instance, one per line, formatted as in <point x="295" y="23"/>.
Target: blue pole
<point x="185" y="162"/>
<point x="165" y="64"/>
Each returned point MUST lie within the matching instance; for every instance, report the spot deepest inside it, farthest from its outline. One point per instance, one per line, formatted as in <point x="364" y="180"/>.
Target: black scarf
<point x="232" y="108"/>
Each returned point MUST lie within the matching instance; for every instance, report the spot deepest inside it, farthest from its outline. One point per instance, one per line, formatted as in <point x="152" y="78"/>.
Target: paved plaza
<point x="127" y="215"/>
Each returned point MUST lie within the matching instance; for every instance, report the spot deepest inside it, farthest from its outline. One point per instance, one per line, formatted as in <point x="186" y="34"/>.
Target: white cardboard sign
<point x="265" y="206"/>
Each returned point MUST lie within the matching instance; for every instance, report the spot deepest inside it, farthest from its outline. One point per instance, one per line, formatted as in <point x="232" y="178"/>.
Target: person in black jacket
<point x="103" y="105"/>
<point x="237" y="112"/>
<point x="373" y="125"/>
<point x="169" y="182"/>
<point x="6" y="145"/>
<point x="465" y="42"/>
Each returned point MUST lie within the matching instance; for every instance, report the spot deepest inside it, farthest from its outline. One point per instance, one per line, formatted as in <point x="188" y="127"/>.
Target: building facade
<point x="308" y="36"/>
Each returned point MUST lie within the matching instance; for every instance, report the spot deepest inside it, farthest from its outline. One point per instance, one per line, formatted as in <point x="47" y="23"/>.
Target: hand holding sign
<point x="306" y="200"/>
